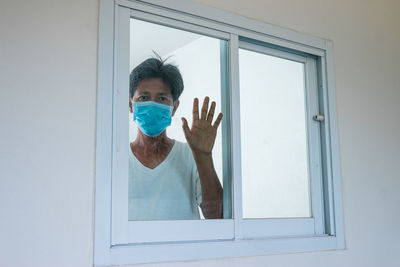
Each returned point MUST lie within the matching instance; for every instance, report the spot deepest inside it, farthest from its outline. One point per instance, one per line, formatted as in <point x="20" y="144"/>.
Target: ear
<point x="130" y="106"/>
<point x="176" y="105"/>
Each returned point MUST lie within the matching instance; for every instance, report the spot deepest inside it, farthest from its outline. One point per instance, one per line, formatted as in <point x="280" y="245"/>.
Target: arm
<point x="201" y="138"/>
<point x="211" y="189"/>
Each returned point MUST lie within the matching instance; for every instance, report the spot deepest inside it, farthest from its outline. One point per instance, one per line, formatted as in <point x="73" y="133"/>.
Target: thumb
<point x="185" y="127"/>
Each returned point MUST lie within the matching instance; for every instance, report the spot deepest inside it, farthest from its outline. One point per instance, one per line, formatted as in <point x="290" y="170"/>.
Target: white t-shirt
<point x="171" y="191"/>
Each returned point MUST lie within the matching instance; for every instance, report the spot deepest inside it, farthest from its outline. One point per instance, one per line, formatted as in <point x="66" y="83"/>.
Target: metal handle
<point x="319" y="117"/>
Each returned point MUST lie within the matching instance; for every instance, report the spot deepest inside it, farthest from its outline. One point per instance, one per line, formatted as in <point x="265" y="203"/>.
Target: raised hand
<point x="201" y="136"/>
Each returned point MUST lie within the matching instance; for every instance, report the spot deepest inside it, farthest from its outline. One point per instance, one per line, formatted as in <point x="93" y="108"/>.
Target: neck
<point x="155" y="144"/>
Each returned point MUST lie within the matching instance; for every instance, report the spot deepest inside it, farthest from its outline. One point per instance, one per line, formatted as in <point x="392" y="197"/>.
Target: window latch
<point x="319" y="117"/>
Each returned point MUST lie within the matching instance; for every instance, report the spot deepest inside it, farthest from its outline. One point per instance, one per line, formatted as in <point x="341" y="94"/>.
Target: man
<point x="169" y="179"/>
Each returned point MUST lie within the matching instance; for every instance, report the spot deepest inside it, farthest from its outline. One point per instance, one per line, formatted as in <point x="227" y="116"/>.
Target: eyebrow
<point x="145" y="92"/>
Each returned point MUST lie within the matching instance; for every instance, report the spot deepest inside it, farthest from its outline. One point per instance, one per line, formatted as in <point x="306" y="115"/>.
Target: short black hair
<point x="155" y="67"/>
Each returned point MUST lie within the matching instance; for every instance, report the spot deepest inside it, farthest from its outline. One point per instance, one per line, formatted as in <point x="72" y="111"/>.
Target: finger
<point x="185" y="127"/>
<point x="195" y="109"/>
<point x="210" y="115"/>
<point x="217" y="121"/>
<point x="204" y="109"/>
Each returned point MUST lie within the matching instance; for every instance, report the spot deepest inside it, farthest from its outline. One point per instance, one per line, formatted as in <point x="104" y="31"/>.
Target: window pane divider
<point x="226" y="132"/>
<point x="235" y="134"/>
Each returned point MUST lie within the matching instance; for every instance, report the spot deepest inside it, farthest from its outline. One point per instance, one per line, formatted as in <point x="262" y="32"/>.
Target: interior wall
<point x="48" y="68"/>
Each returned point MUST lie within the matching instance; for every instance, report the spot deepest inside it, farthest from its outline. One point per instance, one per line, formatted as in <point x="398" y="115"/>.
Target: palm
<point x="201" y="136"/>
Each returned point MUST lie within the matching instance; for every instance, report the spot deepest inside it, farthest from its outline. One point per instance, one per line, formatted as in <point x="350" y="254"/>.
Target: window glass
<point x="198" y="60"/>
<point x="275" y="177"/>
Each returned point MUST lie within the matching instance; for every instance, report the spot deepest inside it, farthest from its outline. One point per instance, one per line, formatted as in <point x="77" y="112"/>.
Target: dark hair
<point x="156" y="68"/>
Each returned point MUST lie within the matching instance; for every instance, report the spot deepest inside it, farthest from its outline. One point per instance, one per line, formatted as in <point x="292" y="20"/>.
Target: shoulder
<point x="182" y="146"/>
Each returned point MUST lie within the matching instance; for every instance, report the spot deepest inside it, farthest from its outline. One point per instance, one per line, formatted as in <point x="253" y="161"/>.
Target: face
<point x="156" y="90"/>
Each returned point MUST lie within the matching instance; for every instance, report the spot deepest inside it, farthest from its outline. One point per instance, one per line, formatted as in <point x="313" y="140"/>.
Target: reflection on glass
<point x="273" y="130"/>
<point x="171" y="187"/>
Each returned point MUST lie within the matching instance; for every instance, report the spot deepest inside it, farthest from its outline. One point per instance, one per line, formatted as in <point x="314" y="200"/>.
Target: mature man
<point x="169" y="179"/>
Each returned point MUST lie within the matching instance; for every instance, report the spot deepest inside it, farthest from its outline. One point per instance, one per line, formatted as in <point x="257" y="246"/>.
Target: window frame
<point x="108" y="250"/>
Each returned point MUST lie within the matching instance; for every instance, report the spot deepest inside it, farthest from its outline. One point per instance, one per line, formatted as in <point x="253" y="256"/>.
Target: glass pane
<point x="173" y="192"/>
<point x="273" y="130"/>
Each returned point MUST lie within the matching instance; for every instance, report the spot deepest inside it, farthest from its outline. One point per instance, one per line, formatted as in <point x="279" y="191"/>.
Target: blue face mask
<point x="151" y="117"/>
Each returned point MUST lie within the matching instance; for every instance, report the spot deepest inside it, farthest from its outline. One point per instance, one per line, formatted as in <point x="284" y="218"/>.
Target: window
<point x="276" y="152"/>
<point x="274" y="140"/>
<point x="194" y="54"/>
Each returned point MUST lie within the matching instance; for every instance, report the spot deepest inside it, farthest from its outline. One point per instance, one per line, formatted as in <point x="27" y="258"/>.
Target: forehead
<point x="153" y="86"/>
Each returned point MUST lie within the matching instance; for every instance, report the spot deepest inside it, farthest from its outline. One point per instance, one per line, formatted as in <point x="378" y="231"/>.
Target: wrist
<point x="202" y="155"/>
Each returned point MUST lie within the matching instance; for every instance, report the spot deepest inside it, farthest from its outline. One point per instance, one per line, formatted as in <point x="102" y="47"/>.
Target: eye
<point x="163" y="98"/>
<point x="142" y="98"/>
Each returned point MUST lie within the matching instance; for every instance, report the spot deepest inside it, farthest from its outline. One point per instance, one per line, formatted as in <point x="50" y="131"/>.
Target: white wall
<point x="47" y="138"/>
<point x="48" y="66"/>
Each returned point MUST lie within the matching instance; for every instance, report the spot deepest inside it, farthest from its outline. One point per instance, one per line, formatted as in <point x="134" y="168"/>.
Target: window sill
<point x="183" y="251"/>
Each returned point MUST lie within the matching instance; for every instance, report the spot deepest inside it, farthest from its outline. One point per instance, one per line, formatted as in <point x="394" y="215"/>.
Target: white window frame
<point x="119" y="241"/>
<point x="256" y="228"/>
